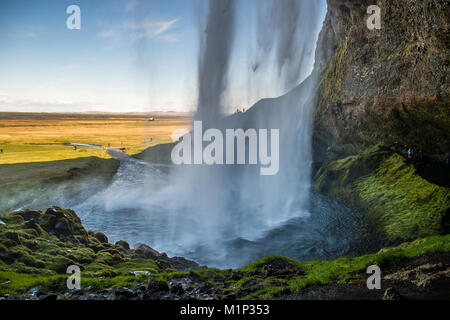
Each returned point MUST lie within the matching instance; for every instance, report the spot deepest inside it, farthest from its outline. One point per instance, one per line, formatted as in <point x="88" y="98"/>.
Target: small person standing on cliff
<point x="447" y="159"/>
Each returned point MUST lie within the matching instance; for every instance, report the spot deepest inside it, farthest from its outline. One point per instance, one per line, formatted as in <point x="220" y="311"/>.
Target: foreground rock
<point x="36" y="248"/>
<point x="48" y="242"/>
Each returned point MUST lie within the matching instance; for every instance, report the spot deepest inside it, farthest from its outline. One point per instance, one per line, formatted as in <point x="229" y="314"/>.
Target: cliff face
<point x="384" y="86"/>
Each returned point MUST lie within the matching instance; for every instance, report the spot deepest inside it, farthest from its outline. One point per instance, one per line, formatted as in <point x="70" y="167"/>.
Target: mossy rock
<point x="123" y="244"/>
<point x="101" y="237"/>
<point x="11" y="218"/>
<point x="60" y="264"/>
<point x="380" y="183"/>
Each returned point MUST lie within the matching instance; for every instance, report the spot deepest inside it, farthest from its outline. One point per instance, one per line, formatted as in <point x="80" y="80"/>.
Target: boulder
<point x="156" y="290"/>
<point x="146" y="252"/>
<point x="101" y="237"/>
<point x="391" y="294"/>
<point x="123" y="244"/>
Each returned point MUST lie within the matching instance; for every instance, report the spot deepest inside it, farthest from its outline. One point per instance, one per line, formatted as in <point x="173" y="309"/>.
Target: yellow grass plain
<point x="38" y="137"/>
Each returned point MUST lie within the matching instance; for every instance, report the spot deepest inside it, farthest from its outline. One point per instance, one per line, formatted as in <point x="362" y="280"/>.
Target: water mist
<point x="235" y="202"/>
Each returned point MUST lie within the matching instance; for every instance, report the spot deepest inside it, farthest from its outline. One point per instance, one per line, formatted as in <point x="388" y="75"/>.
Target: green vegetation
<point x="330" y="84"/>
<point x="48" y="242"/>
<point x="269" y="277"/>
<point x="304" y="274"/>
<point x="36" y="248"/>
<point x="401" y="204"/>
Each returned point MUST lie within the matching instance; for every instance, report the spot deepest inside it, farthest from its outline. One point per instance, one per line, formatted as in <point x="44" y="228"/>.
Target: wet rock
<point x="13" y="236"/>
<point x="27" y="215"/>
<point x="156" y="290"/>
<point x="355" y="103"/>
<point x="123" y="244"/>
<point x="146" y="252"/>
<point x="235" y="275"/>
<point x="123" y="293"/>
<point x="182" y="264"/>
<point x="48" y="297"/>
<point x="177" y="289"/>
<point x="34" y="224"/>
<point x="63" y="223"/>
<point x="62" y="228"/>
<point x="424" y="275"/>
<point x="51" y="211"/>
<point x="278" y="267"/>
<point x="157" y="285"/>
<point x="391" y="294"/>
<point x="101" y="237"/>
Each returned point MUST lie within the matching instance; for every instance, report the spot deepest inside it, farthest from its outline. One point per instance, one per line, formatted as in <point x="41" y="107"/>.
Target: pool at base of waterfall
<point x="132" y="209"/>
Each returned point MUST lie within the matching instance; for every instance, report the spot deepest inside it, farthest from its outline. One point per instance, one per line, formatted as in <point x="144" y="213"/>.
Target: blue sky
<point x="130" y="55"/>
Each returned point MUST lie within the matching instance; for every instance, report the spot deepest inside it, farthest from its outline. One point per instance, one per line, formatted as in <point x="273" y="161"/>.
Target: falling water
<point x="229" y="202"/>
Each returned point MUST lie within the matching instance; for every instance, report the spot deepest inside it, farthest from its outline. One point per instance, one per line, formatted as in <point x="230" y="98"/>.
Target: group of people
<point x="413" y="154"/>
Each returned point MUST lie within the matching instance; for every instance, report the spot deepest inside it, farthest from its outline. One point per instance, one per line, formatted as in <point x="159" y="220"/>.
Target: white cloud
<point x="150" y="29"/>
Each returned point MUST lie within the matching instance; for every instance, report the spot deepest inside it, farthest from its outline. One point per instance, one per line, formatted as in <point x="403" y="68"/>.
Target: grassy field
<point x="37" y="137"/>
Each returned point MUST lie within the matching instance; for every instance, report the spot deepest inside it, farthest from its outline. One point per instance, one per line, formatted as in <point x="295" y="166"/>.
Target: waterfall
<point x="222" y="202"/>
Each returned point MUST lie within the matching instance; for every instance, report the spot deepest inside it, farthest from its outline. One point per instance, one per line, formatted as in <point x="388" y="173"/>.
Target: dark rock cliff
<point x="384" y="86"/>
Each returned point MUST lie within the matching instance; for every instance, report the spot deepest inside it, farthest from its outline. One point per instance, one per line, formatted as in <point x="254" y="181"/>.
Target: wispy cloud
<point x="150" y="29"/>
<point x="138" y="30"/>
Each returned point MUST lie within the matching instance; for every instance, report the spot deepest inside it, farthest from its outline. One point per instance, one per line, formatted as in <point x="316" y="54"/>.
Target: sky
<point x="128" y="56"/>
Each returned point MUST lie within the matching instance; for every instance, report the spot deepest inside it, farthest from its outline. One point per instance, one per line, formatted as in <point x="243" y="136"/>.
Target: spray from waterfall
<point x="235" y="202"/>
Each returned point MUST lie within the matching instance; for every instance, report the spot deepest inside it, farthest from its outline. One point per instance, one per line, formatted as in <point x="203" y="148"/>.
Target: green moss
<point x="60" y="264"/>
<point x="341" y="269"/>
<point x="249" y="285"/>
<point x="422" y="123"/>
<point x="330" y="84"/>
<point x="401" y="204"/>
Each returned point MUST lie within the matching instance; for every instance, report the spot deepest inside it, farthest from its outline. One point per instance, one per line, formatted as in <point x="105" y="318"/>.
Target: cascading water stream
<point x="230" y="202"/>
